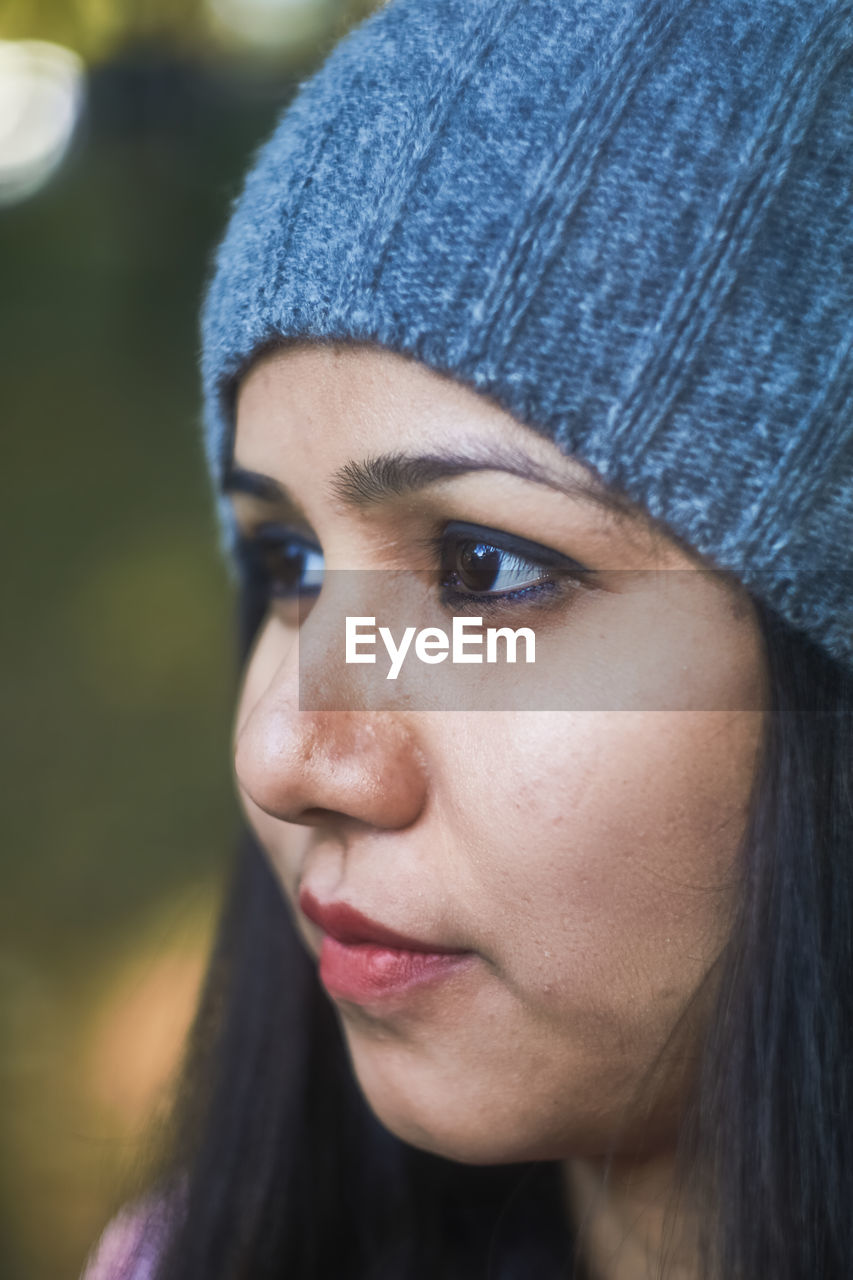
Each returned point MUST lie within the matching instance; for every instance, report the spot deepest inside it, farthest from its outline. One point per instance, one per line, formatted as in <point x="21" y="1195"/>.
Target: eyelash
<point x="268" y="549"/>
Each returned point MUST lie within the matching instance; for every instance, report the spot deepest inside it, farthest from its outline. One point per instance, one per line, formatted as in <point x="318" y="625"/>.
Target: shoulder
<point x="130" y="1246"/>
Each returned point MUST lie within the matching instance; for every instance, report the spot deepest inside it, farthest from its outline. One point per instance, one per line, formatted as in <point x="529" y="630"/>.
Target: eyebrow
<point x="240" y="480"/>
<point x="361" y="485"/>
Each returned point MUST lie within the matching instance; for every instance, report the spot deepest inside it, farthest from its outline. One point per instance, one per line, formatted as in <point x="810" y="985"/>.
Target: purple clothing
<point x="130" y="1246"/>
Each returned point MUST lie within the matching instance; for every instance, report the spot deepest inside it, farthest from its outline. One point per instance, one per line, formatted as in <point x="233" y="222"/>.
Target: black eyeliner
<point x="513" y="543"/>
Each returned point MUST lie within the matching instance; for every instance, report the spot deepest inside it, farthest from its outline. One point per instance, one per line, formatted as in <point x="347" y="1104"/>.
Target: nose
<point x="317" y="766"/>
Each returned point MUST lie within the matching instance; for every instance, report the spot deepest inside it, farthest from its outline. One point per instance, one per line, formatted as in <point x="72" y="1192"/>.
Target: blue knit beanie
<point x="630" y="222"/>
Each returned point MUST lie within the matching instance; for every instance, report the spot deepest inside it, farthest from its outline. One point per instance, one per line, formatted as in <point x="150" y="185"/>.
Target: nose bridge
<point x="270" y="675"/>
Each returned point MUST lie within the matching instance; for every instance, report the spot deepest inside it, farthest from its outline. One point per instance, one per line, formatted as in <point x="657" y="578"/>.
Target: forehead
<point x="336" y="402"/>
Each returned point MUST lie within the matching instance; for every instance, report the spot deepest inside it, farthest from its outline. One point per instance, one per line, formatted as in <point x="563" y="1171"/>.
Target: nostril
<point x="320" y="817"/>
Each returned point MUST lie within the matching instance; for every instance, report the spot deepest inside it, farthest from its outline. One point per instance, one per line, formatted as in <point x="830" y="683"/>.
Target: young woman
<point x="538" y="314"/>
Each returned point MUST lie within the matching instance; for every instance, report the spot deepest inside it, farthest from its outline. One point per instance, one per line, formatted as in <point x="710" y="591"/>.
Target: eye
<point x="284" y="563"/>
<point x="484" y="565"/>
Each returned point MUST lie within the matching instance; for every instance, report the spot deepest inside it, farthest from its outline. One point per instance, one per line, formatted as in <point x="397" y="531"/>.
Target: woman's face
<point x="579" y="864"/>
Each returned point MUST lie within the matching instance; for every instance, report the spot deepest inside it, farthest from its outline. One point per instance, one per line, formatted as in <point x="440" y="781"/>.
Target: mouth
<point x="363" y="961"/>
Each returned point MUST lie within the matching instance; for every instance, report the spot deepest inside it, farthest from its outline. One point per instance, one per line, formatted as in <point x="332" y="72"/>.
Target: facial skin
<point x="587" y="858"/>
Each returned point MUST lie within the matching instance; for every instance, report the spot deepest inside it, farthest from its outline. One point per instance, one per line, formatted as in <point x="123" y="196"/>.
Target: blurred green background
<point x="117" y="637"/>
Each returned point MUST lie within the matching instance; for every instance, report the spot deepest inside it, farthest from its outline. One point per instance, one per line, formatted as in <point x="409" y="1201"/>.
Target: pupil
<point x="478" y="565"/>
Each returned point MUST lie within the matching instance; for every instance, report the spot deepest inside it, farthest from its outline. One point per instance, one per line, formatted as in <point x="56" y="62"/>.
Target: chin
<point x="440" y="1137"/>
<point x="458" y="1126"/>
<point x="493" y="1142"/>
<point x="489" y="1127"/>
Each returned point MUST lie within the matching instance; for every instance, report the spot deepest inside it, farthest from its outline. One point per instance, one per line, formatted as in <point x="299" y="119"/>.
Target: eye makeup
<point x="489" y="569"/>
<point x="473" y="566"/>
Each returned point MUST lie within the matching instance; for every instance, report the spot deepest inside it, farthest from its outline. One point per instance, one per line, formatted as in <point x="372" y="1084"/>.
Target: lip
<point x="343" y="923"/>
<point x="365" y="962"/>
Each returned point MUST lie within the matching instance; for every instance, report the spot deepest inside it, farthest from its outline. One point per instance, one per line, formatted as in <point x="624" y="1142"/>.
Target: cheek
<point x="257" y="676"/>
<point x="591" y="857"/>
<point x="603" y="850"/>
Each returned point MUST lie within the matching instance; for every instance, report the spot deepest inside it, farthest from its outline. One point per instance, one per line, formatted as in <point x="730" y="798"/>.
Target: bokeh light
<point x="41" y="96"/>
<point x="272" y="25"/>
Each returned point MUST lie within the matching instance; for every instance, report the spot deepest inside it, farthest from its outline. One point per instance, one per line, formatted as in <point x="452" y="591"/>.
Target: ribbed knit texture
<point x="628" y="221"/>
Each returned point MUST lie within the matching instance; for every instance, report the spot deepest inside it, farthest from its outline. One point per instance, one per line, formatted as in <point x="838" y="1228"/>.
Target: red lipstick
<point x="362" y="960"/>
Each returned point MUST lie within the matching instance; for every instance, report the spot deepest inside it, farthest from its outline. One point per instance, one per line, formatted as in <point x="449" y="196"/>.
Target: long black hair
<point x="280" y="1169"/>
<point x="774" y="1108"/>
